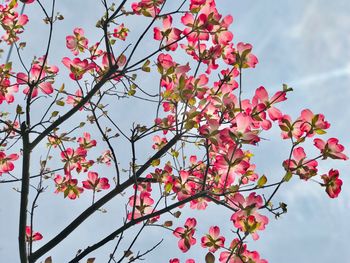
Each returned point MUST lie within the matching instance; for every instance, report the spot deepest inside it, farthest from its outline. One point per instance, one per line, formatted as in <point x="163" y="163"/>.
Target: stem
<point x="24" y="194"/>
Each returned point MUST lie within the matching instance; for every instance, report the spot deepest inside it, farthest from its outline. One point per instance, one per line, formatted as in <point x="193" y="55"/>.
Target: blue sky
<point x="304" y="44"/>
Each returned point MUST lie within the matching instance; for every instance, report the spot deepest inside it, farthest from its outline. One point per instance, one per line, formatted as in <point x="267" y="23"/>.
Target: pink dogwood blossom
<point x="332" y="183"/>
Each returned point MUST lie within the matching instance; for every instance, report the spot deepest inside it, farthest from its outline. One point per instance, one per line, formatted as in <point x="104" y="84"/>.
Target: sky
<point x="301" y="43"/>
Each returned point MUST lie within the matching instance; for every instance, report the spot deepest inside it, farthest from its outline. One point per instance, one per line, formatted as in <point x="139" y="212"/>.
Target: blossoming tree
<point x="199" y="138"/>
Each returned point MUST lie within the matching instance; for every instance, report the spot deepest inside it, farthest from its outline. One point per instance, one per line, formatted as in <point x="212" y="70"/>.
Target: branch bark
<point x="24" y="194"/>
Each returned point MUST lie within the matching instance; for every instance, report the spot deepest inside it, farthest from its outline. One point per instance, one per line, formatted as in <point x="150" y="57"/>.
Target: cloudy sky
<point x="304" y="44"/>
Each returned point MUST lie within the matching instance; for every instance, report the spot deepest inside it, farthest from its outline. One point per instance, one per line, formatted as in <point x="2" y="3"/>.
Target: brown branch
<point x="24" y="194"/>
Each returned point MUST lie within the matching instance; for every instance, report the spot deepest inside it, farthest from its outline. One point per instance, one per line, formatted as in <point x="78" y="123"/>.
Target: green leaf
<point x="131" y="92"/>
<point x="8" y="66"/>
<point x="189" y="124"/>
<point x="262" y="181"/>
<point x="19" y="109"/>
<point x="146" y="67"/>
<point x="168" y="187"/>
<point x="320" y="131"/>
<point x="155" y="162"/>
<point x="181" y="82"/>
<point x="60" y="103"/>
<point x="66" y="192"/>
<point x="54" y="113"/>
<point x="209" y="258"/>
<point x="314" y="119"/>
<point x="287" y="177"/>
<point x="61" y="88"/>
<point x="13" y="3"/>
<point x="284" y="128"/>
<point x="174" y="153"/>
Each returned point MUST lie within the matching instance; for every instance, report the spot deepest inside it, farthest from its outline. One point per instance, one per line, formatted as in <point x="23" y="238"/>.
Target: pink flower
<point x="94" y="183"/>
<point x="7" y="90"/>
<point x="222" y="35"/>
<point x="247" y="218"/>
<point x="118" y="62"/>
<point x="196" y="4"/>
<point x="213" y="240"/>
<point x="331" y="148"/>
<point x="239" y="253"/>
<point x="300" y="165"/>
<point x="95" y="52"/>
<point x="12" y="22"/>
<point x="159" y="142"/>
<point x="165" y="61"/>
<point x="85" y="142"/>
<point x="246" y="58"/>
<point x="253" y="256"/>
<point x="261" y="96"/>
<point x="143" y="205"/>
<point x="6" y="164"/>
<point x="105" y="158"/>
<point x="332" y="183"/>
<point x="73" y="159"/>
<point x="186" y="234"/>
<point x="78" y="42"/>
<point x="121" y="32"/>
<point x="149" y="8"/>
<point x="169" y="33"/>
<point x="312" y="123"/>
<point x="44" y="84"/>
<point x="35" y="236"/>
<point x="243" y="129"/>
<point x="74" y="100"/>
<point x="235" y="252"/>
<point x="67" y="186"/>
<point x="77" y="67"/>
<point x="50" y="70"/>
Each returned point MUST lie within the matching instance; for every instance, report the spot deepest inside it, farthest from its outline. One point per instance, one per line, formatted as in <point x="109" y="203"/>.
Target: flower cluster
<point x="76" y="160"/>
<point x="12" y="22"/>
<point x="198" y="104"/>
<point x="7" y="90"/>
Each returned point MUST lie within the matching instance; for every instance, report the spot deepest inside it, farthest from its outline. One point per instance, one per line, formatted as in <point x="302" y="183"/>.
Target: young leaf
<point x="262" y="181"/>
<point x="209" y="258"/>
<point x="287" y="176"/>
